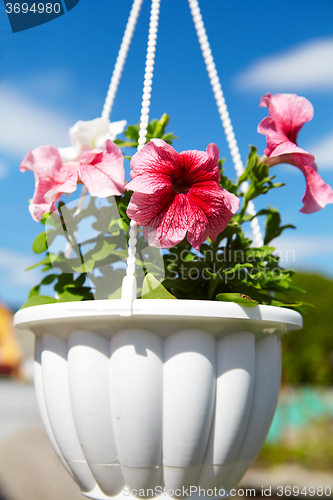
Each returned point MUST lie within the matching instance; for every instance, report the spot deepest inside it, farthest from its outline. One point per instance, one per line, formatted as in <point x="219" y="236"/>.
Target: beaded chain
<point x="129" y="288"/>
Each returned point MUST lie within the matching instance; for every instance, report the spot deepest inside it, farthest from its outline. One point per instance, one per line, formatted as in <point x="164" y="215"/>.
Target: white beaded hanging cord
<point x="223" y="111"/>
<point x="121" y="59"/>
<point x="129" y="283"/>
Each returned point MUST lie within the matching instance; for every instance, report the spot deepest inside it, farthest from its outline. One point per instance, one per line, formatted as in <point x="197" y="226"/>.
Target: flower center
<point x="179" y="186"/>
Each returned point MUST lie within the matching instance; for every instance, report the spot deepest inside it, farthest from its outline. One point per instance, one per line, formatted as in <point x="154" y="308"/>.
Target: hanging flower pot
<point x="179" y="395"/>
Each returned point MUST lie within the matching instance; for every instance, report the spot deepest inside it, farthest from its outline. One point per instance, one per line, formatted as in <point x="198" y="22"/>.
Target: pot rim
<point x="156" y="308"/>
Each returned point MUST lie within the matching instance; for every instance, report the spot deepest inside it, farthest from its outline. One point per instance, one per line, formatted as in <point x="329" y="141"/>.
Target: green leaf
<point x="34" y="291"/>
<point x="46" y="268"/>
<point x="132" y="132"/>
<point x="80" y="280"/>
<point x="238" y="267"/>
<point x="161" y="125"/>
<point x="185" y="285"/>
<point x="44" y="218"/>
<point x="49" y="279"/>
<point x="85" y="267"/>
<point x="273" y="225"/>
<point x="153" y="289"/>
<point x="116" y="294"/>
<point x="169" y="138"/>
<point x="125" y="144"/>
<point x="102" y="250"/>
<point x="37" y="300"/>
<point x="64" y="280"/>
<point x="152" y="127"/>
<point x="40" y="243"/>
<point x="301" y="307"/>
<point x="252" y="162"/>
<point x="212" y="275"/>
<point x="123" y="254"/>
<point x="261" y="253"/>
<point x="239" y="298"/>
<point x="45" y="262"/>
<point x="73" y="294"/>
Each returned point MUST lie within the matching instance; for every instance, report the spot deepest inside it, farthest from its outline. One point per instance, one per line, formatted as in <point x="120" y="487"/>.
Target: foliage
<point x="311" y="360"/>
<point x="156" y="129"/>
<point x="229" y="269"/>
<point x="152" y="289"/>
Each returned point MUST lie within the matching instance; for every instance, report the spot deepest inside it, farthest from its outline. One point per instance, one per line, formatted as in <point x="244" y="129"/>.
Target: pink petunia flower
<point x="52" y="179"/>
<point x="178" y="195"/>
<point x="102" y="171"/>
<point x="288" y="113"/>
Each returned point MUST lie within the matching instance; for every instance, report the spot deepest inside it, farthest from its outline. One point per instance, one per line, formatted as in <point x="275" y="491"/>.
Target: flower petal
<point x="27" y="162"/>
<point x="91" y="134"/>
<point x="149" y="184"/>
<point x="169" y="227"/>
<point x="103" y="172"/>
<point x="197" y="223"/>
<point x="287" y="152"/>
<point x="156" y="158"/>
<point x="317" y="194"/>
<point x="289" y="112"/>
<point x="273" y="136"/>
<point x="213" y="151"/>
<point x="116" y="128"/>
<point x="200" y="166"/>
<point x="85" y="133"/>
<point x="178" y="194"/>
<point x="143" y="207"/>
<point x="53" y="190"/>
<point x="37" y="210"/>
<point x="44" y="160"/>
<point x="218" y="204"/>
<point x="68" y="154"/>
<point x="48" y="191"/>
<point x="52" y="178"/>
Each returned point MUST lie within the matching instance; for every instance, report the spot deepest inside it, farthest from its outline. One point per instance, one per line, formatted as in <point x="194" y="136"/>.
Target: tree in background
<point x="308" y="354"/>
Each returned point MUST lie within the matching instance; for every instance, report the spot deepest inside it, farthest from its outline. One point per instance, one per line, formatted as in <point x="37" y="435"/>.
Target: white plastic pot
<point x="179" y="396"/>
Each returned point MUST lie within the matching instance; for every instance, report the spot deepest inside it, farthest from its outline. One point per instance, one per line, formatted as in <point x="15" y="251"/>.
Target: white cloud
<point x="304" y="67"/>
<point x="52" y="82"/>
<point x="25" y="124"/>
<point x="323" y="151"/>
<point x="305" y="251"/>
<point x="13" y="266"/>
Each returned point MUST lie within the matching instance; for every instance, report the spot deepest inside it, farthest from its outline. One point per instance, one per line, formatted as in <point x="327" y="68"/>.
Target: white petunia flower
<point x="90" y="134"/>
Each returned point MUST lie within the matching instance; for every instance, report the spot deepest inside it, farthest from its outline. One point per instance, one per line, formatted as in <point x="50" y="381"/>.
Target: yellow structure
<point x="10" y="350"/>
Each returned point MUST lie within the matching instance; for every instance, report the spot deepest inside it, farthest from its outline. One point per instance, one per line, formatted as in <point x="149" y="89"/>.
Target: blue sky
<point x="58" y="73"/>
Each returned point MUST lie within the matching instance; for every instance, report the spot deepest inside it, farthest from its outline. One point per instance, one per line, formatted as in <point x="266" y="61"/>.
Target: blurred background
<point x="58" y="73"/>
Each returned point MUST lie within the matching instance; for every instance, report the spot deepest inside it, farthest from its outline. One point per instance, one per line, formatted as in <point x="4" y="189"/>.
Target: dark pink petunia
<point x="102" y="171"/>
<point x="288" y="113"/>
<point x="178" y="195"/>
<point x="52" y="179"/>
